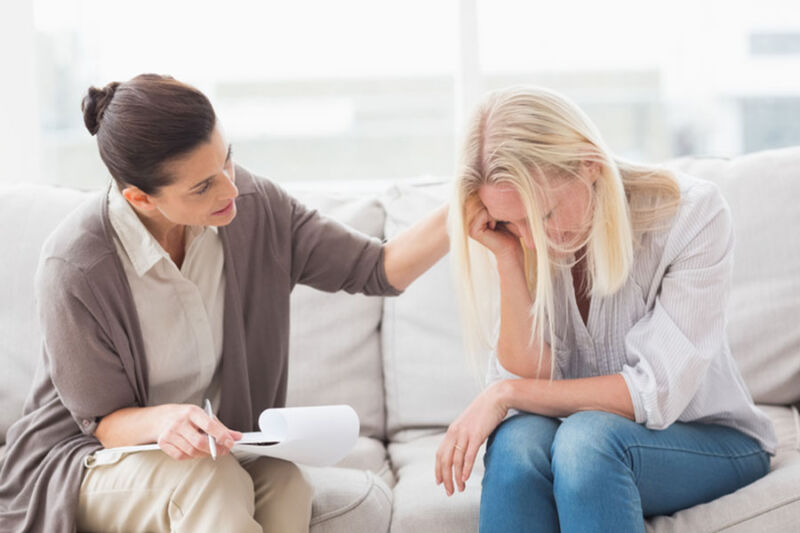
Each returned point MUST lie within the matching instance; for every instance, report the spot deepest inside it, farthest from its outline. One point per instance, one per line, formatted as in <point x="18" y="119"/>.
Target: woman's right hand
<point x="493" y="235"/>
<point x="184" y="431"/>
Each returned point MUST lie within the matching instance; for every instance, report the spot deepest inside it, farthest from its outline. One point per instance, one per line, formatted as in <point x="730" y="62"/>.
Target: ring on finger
<point x="457" y="447"/>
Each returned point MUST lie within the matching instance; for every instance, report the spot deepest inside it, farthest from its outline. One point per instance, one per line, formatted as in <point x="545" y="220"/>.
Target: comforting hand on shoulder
<point x="456" y="454"/>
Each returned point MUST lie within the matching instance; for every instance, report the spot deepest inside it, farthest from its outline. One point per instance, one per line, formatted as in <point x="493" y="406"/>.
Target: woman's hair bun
<point x="94" y="105"/>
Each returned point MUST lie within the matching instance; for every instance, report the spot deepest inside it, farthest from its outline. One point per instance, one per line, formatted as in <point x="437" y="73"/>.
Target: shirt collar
<point x="142" y="248"/>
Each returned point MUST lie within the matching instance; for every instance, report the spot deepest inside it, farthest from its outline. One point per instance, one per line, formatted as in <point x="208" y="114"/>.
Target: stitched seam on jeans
<point x="347" y="508"/>
<point x="695" y="452"/>
<point x="636" y="473"/>
<point x="760" y="513"/>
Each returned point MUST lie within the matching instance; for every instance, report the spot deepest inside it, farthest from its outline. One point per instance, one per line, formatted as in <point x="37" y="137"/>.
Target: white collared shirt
<point x="180" y="310"/>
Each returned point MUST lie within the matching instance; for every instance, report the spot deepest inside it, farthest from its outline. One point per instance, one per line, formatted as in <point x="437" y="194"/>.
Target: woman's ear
<point x="137" y="198"/>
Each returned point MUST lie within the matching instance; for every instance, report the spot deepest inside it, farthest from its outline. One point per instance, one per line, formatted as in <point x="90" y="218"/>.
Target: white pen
<point x="211" y="442"/>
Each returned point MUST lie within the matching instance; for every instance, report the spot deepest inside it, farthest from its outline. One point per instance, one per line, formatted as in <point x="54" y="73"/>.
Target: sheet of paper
<point x="315" y="436"/>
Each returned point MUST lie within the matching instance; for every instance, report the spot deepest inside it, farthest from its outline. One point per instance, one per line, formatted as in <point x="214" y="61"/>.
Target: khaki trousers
<point x="150" y="491"/>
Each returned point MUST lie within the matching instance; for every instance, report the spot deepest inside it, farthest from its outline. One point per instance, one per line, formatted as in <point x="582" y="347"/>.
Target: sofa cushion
<point x="28" y="214"/>
<point x="356" y="494"/>
<point x="334" y="347"/>
<point x="421" y="505"/>
<point x="370" y="454"/>
<point x="762" y="190"/>
<point x="428" y="381"/>
<point x="348" y="500"/>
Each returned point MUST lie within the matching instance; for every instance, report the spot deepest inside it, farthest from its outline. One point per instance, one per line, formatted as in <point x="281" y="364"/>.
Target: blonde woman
<point x="612" y="394"/>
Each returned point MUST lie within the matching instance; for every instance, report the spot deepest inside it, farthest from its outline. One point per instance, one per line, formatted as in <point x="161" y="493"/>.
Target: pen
<point x="211" y="442"/>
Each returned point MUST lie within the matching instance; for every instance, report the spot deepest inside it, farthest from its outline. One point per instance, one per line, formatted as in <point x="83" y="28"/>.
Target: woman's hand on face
<point x="487" y="231"/>
<point x="185" y="431"/>
<point x="459" y="448"/>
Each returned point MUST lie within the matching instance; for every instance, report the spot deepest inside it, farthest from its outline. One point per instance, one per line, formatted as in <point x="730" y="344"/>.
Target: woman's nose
<point x="231" y="189"/>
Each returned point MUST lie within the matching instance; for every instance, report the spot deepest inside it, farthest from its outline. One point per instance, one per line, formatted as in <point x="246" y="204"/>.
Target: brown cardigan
<point x="93" y="361"/>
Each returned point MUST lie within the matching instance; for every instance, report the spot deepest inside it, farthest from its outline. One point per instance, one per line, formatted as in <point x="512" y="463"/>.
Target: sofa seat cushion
<point x="370" y="454"/>
<point x="421" y="505"/>
<point x="348" y="500"/>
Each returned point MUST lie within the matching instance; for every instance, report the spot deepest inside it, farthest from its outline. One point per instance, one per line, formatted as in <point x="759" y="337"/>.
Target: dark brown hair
<point x="143" y="123"/>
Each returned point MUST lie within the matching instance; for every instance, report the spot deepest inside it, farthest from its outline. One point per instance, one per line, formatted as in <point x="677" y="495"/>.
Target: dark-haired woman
<point x="170" y="287"/>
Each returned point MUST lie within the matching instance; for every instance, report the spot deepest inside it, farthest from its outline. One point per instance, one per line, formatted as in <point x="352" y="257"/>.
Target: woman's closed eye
<point x="206" y="186"/>
<point x="508" y="226"/>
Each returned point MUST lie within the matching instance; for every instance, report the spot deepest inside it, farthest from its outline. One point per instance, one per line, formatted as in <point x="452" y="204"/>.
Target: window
<point x="357" y="89"/>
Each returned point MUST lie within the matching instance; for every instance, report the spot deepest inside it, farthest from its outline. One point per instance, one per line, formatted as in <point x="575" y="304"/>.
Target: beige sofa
<point x="399" y="362"/>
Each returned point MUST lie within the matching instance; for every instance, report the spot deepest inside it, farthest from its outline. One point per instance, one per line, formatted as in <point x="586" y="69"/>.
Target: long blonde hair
<point x="526" y="137"/>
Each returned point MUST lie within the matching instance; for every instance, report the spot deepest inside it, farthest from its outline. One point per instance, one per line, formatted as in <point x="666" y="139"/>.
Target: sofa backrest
<point x="334" y="346"/>
<point x="28" y="214"/>
<point x="428" y="378"/>
<point x="763" y="190"/>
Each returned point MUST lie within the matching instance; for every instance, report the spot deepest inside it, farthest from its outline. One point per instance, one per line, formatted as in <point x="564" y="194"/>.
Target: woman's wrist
<point x="500" y="394"/>
<point x="510" y="261"/>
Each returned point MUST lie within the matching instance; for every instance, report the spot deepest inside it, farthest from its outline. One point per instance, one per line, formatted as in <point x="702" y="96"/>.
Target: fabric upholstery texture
<point x="428" y="378"/>
<point x="334" y="347"/>
<point x="347" y="500"/>
<point x="27" y="216"/>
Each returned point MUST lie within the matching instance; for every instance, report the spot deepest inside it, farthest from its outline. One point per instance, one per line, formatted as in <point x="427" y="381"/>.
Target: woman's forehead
<point x="503" y="201"/>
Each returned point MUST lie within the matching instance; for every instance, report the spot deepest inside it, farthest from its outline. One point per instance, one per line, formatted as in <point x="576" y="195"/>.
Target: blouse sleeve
<point x="84" y="367"/>
<point x="671" y="347"/>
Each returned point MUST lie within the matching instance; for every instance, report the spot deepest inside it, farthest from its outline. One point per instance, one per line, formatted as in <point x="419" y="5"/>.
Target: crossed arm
<point x="459" y="448"/>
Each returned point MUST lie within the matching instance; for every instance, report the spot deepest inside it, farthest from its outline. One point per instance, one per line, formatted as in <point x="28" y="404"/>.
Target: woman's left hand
<point x="457" y="452"/>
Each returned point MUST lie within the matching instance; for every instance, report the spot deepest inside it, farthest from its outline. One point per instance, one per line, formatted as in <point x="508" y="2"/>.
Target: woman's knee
<point x="520" y="445"/>
<point x="586" y="446"/>
<point x="278" y="480"/>
<point x="224" y="477"/>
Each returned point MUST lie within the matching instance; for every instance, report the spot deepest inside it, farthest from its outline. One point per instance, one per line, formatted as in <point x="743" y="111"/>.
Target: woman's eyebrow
<point x="202" y="182"/>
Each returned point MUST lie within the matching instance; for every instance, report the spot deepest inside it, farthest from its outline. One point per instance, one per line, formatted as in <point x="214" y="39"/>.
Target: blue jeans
<point x="597" y="471"/>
